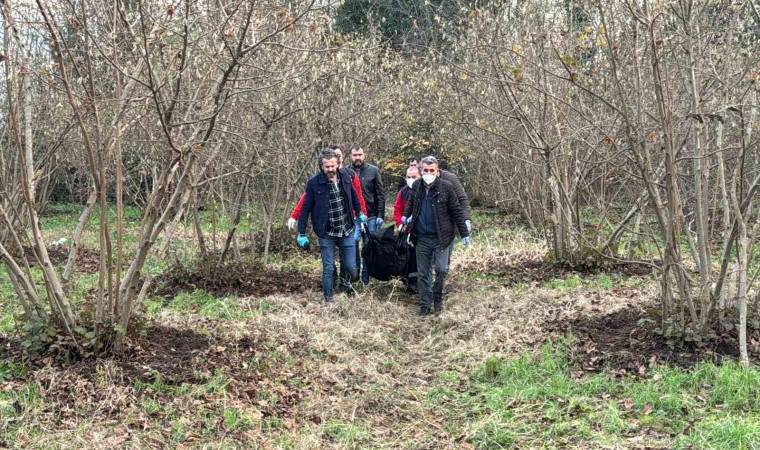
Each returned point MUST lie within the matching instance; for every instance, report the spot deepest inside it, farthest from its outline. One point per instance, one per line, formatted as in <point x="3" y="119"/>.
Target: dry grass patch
<point x="282" y="370"/>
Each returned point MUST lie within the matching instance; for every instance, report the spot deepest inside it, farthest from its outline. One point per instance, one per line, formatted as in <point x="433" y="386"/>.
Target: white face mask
<point x="428" y="178"/>
<point x="410" y="181"/>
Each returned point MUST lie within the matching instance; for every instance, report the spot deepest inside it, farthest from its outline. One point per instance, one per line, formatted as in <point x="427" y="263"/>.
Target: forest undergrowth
<point x="525" y="355"/>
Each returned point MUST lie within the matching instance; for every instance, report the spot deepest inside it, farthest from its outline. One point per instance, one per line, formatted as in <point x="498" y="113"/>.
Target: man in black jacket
<point x="464" y="202"/>
<point x="435" y="215"/>
<point x="459" y="191"/>
<point x="374" y="199"/>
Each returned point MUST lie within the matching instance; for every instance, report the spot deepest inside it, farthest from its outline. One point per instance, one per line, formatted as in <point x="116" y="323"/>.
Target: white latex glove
<point x="292" y="223"/>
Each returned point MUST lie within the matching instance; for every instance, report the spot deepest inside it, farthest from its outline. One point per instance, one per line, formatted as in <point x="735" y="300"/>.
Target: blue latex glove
<point x="469" y="226"/>
<point x="362" y="218"/>
<point x="302" y="240"/>
<point x="379" y="222"/>
<point x="466" y="240"/>
<point x="405" y="220"/>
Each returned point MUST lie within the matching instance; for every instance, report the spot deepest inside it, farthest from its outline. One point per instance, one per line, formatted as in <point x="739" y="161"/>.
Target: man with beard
<point x="296" y="213"/>
<point x="293" y="220"/>
<point x="434" y="215"/>
<point x="331" y="202"/>
<point x="374" y="198"/>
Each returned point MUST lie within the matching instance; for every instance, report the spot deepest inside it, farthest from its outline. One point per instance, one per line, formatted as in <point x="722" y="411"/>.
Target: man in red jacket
<point x="412" y="175"/>
<point x="357" y="186"/>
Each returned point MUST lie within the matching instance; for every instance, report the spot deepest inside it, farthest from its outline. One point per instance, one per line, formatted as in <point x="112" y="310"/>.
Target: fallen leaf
<point x="626" y="403"/>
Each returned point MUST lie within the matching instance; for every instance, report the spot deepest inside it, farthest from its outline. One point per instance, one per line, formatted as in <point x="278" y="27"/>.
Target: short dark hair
<point x="334" y="147"/>
<point x="428" y="160"/>
<point x="325" y="155"/>
<point x="357" y="147"/>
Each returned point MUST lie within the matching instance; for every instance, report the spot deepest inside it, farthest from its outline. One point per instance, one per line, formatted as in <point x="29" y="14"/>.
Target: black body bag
<point x="386" y="254"/>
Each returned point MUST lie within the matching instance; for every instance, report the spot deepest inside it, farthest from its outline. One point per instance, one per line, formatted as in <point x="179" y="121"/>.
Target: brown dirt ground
<point x="177" y="357"/>
<point x="88" y="260"/>
<point x="281" y="241"/>
<point x="526" y="269"/>
<point x="623" y="343"/>
<point x="238" y="279"/>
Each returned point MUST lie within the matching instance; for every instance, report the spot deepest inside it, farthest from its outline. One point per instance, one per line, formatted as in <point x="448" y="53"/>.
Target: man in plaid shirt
<point x="331" y="200"/>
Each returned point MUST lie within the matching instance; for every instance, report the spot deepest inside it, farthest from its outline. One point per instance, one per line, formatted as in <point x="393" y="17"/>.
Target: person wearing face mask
<point x="331" y="202"/>
<point x="413" y="162"/>
<point x="434" y="215"/>
<point x="412" y="175"/>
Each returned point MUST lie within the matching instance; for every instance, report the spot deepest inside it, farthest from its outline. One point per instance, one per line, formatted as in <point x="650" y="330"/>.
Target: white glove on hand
<point x="292" y="223"/>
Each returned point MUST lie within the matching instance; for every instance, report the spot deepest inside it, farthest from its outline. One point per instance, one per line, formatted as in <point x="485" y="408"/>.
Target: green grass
<point x="533" y="400"/>
<point x="207" y="305"/>
<point x="9" y="307"/>
<point x="16" y="403"/>
<point x="571" y="283"/>
<point x="237" y="421"/>
<point x="10" y="371"/>
<point x="348" y="434"/>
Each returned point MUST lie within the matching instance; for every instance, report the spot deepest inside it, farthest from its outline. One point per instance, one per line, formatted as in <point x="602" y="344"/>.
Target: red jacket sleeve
<point x="358" y="189"/>
<point x="398" y="208"/>
<point x="297" y="210"/>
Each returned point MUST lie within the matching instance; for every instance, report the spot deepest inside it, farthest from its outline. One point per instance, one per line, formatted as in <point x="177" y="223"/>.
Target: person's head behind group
<point x="358" y="156"/>
<point x="338" y="151"/>
<point x="412" y="175"/>
<point x="418" y="167"/>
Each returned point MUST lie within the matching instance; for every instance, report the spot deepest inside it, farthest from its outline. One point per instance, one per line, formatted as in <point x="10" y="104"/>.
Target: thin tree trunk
<point x="742" y="250"/>
<point x="198" y="229"/>
<point x="702" y="242"/>
<point x="84" y="218"/>
<point x="236" y="215"/>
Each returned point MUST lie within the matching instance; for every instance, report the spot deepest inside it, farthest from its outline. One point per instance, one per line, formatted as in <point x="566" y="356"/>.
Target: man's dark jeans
<point x="431" y="256"/>
<point x="347" y="248"/>
<point x="411" y="270"/>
